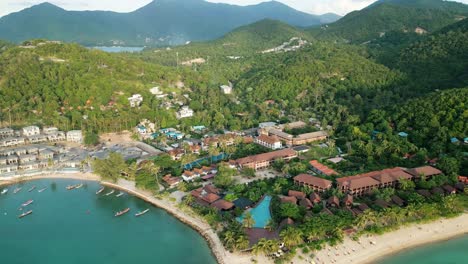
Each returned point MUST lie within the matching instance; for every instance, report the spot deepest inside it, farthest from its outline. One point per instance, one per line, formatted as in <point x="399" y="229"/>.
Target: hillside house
<point x="75" y="136"/>
<point x="30" y="131"/>
<point x="135" y="100"/>
<point x="184" y="112"/>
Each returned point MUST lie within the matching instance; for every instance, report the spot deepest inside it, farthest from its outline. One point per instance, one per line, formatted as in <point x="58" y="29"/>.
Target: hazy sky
<point x="311" y="6"/>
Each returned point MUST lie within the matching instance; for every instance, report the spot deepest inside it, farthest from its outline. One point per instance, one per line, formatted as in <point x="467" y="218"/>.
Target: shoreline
<point x="373" y="248"/>
<point x="220" y="254"/>
<point x="369" y="249"/>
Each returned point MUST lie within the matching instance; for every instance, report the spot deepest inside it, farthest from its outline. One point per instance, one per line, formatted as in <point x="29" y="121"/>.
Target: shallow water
<point x="453" y="251"/>
<point x="79" y="226"/>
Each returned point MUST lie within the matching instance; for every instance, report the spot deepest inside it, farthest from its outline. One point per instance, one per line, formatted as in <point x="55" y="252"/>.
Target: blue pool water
<point x="261" y="213"/>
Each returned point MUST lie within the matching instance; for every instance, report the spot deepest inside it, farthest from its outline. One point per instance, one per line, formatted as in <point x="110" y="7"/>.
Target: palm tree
<point x="271" y="225"/>
<point x="213" y="151"/>
<point x="291" y="236"/>
<point x="248" y="221"/>
<point x="229" y="239"/>
<point x="241" y="243"/>
<point x="277" y="188"/>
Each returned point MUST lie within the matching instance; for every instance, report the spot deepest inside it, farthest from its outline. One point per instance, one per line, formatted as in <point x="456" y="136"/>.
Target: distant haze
<point x="340" y="7"/>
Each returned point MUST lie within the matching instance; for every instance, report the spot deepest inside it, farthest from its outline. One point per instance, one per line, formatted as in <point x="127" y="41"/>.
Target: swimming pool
<point x="261" y="213"/>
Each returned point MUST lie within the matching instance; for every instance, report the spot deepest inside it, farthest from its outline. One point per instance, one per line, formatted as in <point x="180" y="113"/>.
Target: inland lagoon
<point x="78" y="226"/>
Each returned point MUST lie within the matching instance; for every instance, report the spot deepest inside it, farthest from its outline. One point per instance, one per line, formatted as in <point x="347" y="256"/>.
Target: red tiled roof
<point x="297" y="194"/>
<point x="270" y="156"/>
<point x="289" y="199"/>
<point x="334" y="200"/>
<point x="268" y="139"/>
<point x="306" y="203"/>
<point x="324" y="169"/>
<point x="222" y="205"/>
<point x="314" y="197"/>
<point x="314" y="181"/>
<point x="425" y="170"/>
<point x="373" y="178"/>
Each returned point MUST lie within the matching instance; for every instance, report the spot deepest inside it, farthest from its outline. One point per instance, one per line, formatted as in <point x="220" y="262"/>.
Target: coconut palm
<point x="248" y="221"/>
<point x="241" y="243"/>
<point x="291" y="236"/>
<point x="271" y="225"/>
<point x="229" y="239"/>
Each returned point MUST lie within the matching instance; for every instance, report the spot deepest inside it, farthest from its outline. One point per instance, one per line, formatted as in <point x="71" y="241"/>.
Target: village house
<point x="8" y="168"/>
<point x="315" y="198"/>
<point x="184" y="112"/>
<point x="176" y="154"/>
<point x="315" y="183"/>
<point x="6" y="132"/>
<point x="49" y="130"/>
<point x="189" y="176"/>
<point x="55" y="137"/>
<point x="135" y="100"/>
<point x="271" y="142"/>
<point x="12" y="141"/>
<point x="171" y="181"/>
<point x="35" y="139"/>
<point x="262" y="161"/>
<point x="75" y="136"/>
<point x="210" y="196"/>
<point x="30" y="131"/>
<point x="226" y="89"/>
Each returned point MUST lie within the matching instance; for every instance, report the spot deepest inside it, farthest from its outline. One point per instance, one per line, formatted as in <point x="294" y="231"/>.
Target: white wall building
<point x="49" y="130"/>
<point x="6" y="132"/>
<point x="184" y="112"/>
<point x="226" y="89"/>
<point x="30" y="131"/>
<point x="75" y="136"/>
<point x="271" y="142"/>
<point x="135" y="100"/>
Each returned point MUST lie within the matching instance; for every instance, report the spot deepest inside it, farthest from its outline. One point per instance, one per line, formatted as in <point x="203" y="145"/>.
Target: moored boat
<point x="78" y="186"/>
<point x="71" y="187"/>
<point x="41" y="190"/>
<point x="32" y="188"/>
<point x="17" y="190"/>
<point x="27" y="203"/>
<point x="122" y="212"/>
<point x="100" y="190"/>
<point x="120" y="194"/>
<point x="109" y="193"/>
<point x="25" y="214"/>
<point x="141" y="213"/>
<point x="4" y="191"/>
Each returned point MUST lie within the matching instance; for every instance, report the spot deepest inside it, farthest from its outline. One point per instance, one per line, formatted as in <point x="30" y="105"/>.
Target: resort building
<point x="210" y="196"/>
<point x="302" y="139"/>
<point x="226" y="89"/>
<point x="315" y="183"/>
<point x="135" y="100"/>
<point x="75" y="136"/>
<point x="426" y="171"/>
<point x="364" y="183"/>
<point x="189" y="176"/>
<point x="171" y="181"/>
<point x="49" y="130"/>
<point x="30" y="131"/>
<point x="322" y="169"/>
<point x="262" y="161"/>
<point x="184" y="112"/>
<point x="271" y="142"/>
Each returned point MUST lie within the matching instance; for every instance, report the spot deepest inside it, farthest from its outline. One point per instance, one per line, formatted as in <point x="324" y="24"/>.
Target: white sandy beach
<point x="367" y="250"/>
<point x="371" y="248"/>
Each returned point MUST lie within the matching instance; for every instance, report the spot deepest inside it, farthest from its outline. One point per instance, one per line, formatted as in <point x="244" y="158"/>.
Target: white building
<point x="226" y="89"/>
<point x="135" y="100"/>
<point x="30" y="131"/>
<point x="184" y="112"/>
<point x="6" y="132"/>
<point x="75" y="136"/>
<point x="49" y="130"/>
<point x="271" y="142"/>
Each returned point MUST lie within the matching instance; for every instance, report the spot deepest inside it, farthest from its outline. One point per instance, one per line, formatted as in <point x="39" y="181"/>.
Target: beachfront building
<point x="49" y="130"/>
<point x="6" y="132"/>
<point x="315" y="183"/>
<point x="30" y="131"/>
<point x="12" y="141"/>
<point x="135" y="100"/>
<point x="184" y="112"/>
<point x="75" y="136"/>
<point x="262" y="161"/>
<point x="271" y="142"/>
<point x="364" y="183"/>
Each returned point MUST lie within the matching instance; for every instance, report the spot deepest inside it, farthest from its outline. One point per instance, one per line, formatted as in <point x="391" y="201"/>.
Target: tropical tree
<point x="248" y="221"/>
<point x="291" y="236"/>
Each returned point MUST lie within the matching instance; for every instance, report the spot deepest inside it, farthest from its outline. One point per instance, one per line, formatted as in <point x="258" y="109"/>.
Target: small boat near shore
<point x="78" y="186"/>
<point x="141" y="213"/>
<point x="32" y="188"/>
<point x="4" y="191"/>
<point x="41" y="190"/>
<point x="100" y="190"/>
<point x="109" y="193"/>
<point x="120" y="194"/>
<point x="71" y="187"/>
<point x="27" y="203"/>
<point x="25" y="214"/>
<point x="122" y="212"/>
<point x="17" y="190"/>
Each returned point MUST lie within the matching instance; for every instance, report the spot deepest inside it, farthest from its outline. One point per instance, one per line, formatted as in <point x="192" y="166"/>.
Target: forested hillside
<point x="385" y="17"/>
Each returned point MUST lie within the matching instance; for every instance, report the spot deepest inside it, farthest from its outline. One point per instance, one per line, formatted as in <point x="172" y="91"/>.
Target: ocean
<point x="79" y="226"/>
<point x="454" y="251"/>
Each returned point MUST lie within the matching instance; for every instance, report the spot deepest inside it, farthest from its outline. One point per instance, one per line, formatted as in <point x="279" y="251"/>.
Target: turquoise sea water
<point x="79" y="226"/>
<point x="453" y="251"/>
<point x="261" y="213"/>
